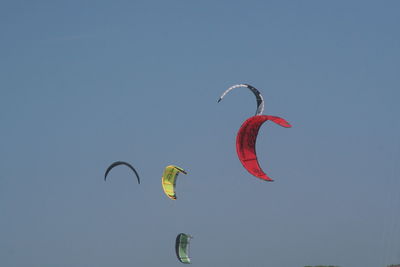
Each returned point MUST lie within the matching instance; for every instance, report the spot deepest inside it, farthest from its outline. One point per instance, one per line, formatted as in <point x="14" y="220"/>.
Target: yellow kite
<point x="169" y="180"/>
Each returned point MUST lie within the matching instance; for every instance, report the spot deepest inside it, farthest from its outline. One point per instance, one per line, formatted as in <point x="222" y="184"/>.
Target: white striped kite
<point x="259" y="98"/>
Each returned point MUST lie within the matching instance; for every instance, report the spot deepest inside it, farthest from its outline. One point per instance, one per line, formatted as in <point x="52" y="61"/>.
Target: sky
<point x="87" y="83"/>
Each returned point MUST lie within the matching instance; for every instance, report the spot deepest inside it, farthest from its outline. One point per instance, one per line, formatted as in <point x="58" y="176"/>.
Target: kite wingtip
<point x="265" y="178"/>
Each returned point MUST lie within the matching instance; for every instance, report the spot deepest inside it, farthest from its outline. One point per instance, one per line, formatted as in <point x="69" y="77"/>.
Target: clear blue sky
<point x="86" y="83"/>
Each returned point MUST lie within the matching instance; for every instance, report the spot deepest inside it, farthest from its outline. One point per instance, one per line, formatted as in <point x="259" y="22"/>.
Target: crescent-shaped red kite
<point x="246" y="143"/>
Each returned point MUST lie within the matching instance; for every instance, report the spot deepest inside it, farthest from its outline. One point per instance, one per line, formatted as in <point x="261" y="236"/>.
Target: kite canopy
<point x="182" y="247"/>
<point x="246" y="143"/>
<point x="168" y="180"/>
<point x="117" y="163"/>
<point x="260" y="99"/>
